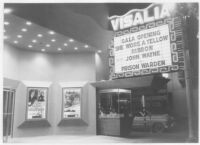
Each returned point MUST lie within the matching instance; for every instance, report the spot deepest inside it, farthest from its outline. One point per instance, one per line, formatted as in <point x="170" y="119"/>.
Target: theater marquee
<point x="152" y="44"/>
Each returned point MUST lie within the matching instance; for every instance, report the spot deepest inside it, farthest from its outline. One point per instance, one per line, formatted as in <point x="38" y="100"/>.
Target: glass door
<point x="8" y="113"/>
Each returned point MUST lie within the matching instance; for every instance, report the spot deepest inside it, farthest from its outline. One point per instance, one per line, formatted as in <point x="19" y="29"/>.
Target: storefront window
<point x="114" y="102"/>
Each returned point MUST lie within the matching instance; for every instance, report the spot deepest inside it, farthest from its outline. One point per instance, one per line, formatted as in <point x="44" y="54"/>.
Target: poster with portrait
<point x="71" y="103"/>
<point x="37" y="103"/>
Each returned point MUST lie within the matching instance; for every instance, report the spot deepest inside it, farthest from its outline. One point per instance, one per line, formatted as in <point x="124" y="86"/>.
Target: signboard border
<point x="176" y="46"/>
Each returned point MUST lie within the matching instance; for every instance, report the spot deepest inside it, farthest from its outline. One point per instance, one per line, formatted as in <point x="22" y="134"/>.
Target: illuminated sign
<point x="142" y="50"/>
<point x="146" y="42"/>
<point x="138" y="17"/>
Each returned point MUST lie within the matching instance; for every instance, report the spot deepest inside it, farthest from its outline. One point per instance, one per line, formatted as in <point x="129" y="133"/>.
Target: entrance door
<point x="8" y="113"/>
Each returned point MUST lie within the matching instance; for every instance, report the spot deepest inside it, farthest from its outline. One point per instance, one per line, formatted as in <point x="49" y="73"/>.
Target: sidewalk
<point x="178" y="134"/>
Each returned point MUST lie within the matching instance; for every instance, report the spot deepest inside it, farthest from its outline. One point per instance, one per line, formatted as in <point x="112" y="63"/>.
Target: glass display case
<point x="114" y="103"/>
<point x="114" y="111"/>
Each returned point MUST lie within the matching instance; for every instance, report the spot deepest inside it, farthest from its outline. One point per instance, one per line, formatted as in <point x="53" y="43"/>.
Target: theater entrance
<point x="8" y="113"/>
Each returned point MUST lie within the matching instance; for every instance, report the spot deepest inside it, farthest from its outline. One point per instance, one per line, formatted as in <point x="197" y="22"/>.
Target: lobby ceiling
<point x="28" y="35"/>
<point x="86" y="23"/>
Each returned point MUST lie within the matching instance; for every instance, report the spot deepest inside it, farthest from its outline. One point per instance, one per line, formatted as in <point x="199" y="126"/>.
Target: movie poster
<point x="71" y="102"/>
<point x="37" y="103"/>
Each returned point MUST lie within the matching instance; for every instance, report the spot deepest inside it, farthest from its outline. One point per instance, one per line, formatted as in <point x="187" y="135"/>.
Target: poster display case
<point x="37" y="98"/>
<point x="114" y="112"/>
<point x="71" y="103"/>
<point x="74" y="104"/>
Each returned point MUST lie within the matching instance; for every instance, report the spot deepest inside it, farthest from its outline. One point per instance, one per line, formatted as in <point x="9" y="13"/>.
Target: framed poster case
<point x="36" y="104"/>
<point x="71" y="102"/>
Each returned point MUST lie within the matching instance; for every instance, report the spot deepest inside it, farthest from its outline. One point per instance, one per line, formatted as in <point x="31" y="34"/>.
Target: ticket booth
<point x="114" y="112"/>
<point x="119" y="100"/>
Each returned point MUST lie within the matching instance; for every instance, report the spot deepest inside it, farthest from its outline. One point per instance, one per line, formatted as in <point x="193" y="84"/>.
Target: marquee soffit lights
<point x="31" y="42"/>
<point x="59" y="49"/>
<point x="6" y="23"/>
<point x="51" y="32"/>
<point x="28" y="23"/>
<point x="39" y="35"/>
<point x="71" y="40"/>
<point x="15" y="42"/>
<point x="47" y="45"/>
<point x="7" y="10"/>
<point x="34" y="41"/>
<point x="53" y="40"/>
<point x="23" y="29"/>
<point x="19" y="36"/>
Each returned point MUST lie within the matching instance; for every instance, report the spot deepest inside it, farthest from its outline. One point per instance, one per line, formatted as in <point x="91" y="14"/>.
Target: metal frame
<point x="62" y="107"/>
<point x="46" y="111"/>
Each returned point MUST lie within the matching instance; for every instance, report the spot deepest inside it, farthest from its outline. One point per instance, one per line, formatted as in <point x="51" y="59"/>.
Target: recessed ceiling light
<point x="24" y="29"/>
<point x="53" y="40"/>
<point x="34" y="41"/>
<point x="19" y="36"/>
<point x="76" y="48"/>
<point x="65" y="44"/>
<point x="71" y="40"/>
<point x="59" y="49"/>
<point x="7" y="11"/>
<point x="99" y="51"/>
<point x="51" y="32"/>
<point x="30" y="46"/>
<point x="43" y="50"/>
<point x="6" y="23"/>
<point x="47" y="45"/>
<point x="15" y="42"/>
<point x="39" y="35"/>
<point x="5" y="37"/>
<point x="28" y="23"/>
<point x="86" y="46"/>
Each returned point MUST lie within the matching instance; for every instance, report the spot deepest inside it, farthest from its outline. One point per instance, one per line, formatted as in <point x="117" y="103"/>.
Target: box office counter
<point x="114" y="112"/>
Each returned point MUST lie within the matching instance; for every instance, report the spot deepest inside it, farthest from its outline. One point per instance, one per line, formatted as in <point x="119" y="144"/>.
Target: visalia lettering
<point x="139" y="17"/>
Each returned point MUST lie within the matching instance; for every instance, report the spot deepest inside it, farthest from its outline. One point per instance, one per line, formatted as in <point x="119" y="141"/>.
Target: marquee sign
<point x="145" y="42"/>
